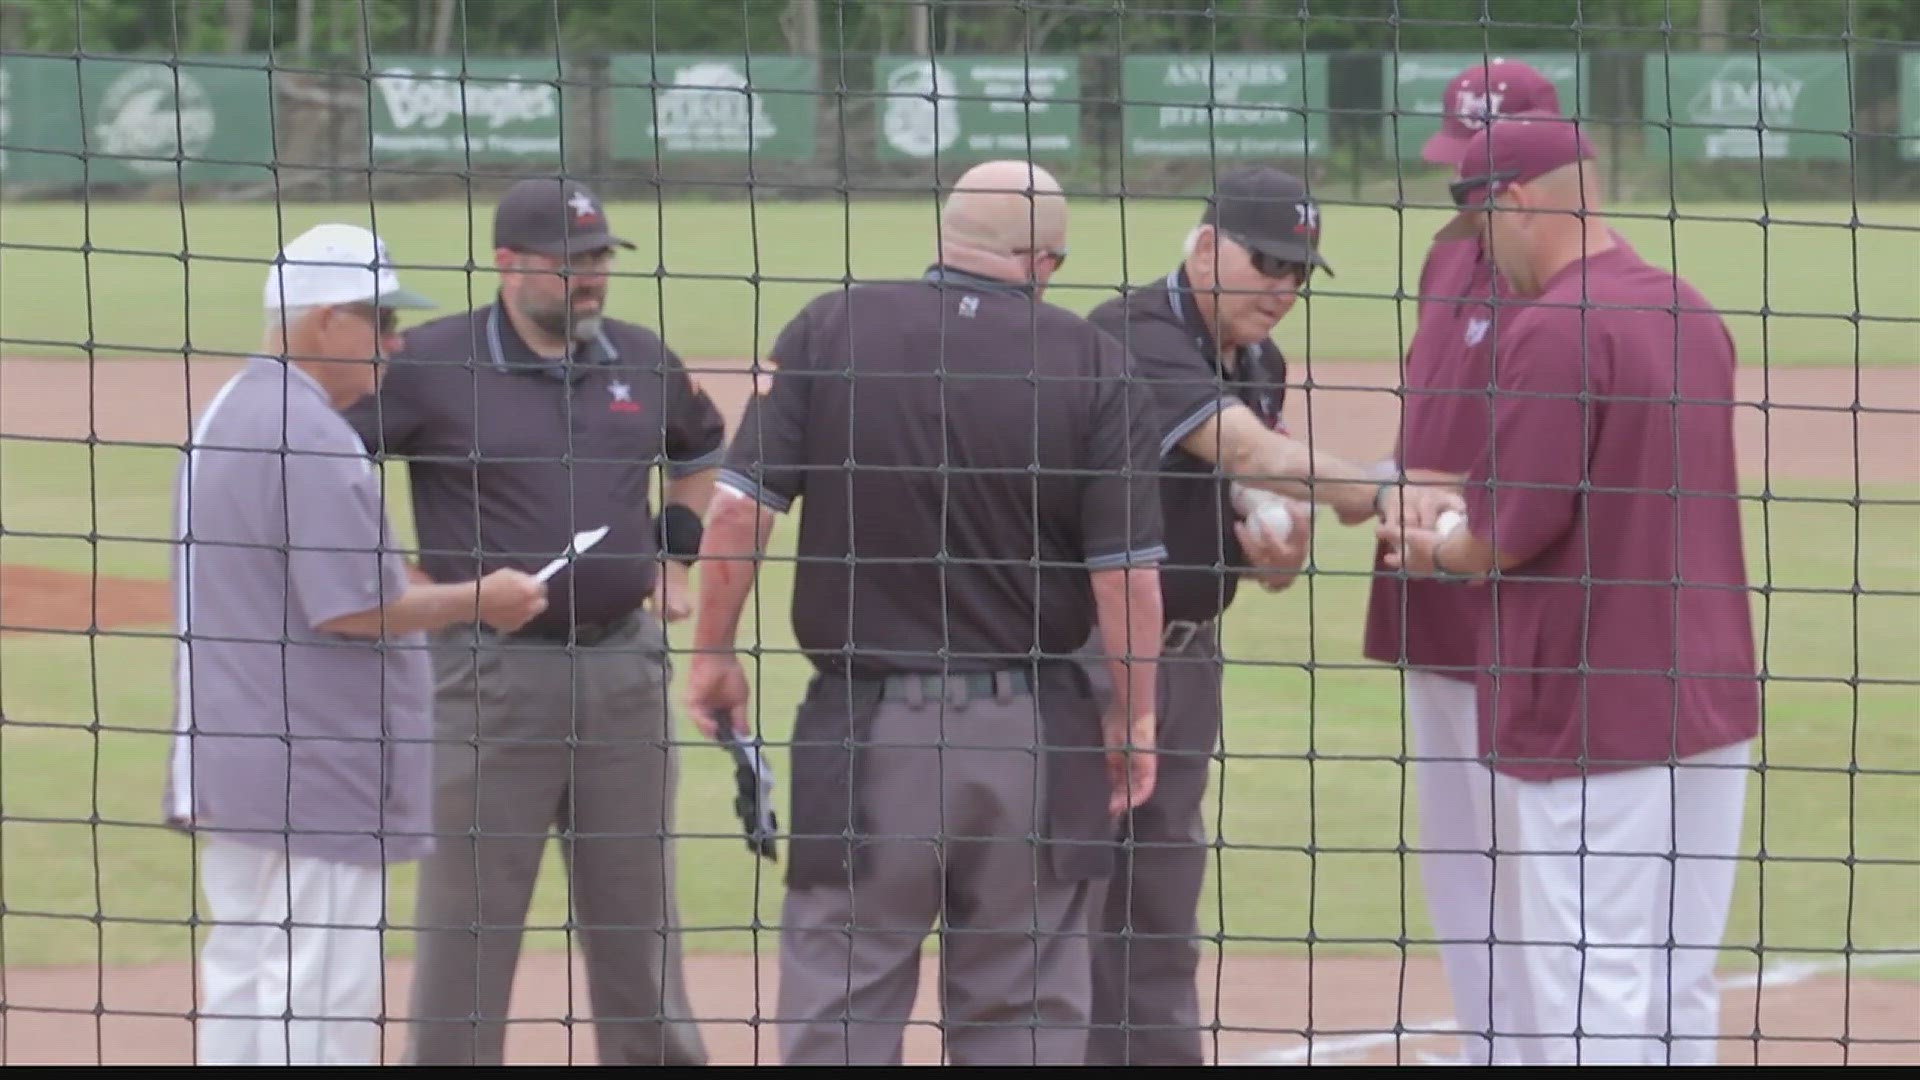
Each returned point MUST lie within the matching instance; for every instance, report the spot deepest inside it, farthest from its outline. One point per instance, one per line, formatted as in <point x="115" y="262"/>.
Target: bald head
<point x="1001" y="218"/>
<point x="1542" y="225"/>
<point x="1571" y="187"/>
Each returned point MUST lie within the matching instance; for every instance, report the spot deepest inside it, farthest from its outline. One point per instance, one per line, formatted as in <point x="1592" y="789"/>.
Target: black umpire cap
<point x="552" y="217"/>
<point x="1268" y="211"/>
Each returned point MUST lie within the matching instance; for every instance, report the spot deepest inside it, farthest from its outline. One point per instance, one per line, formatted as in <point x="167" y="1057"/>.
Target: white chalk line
<point x="1772" y="977"/>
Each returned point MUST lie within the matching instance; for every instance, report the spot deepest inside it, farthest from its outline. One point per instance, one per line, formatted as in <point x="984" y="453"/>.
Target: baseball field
<point x="1312" y="905"/>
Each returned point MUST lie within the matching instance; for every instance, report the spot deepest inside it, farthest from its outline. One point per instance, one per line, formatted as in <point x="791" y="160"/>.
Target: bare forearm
<point x="1245" y="449"/>
<point x="422" y="607"/>
<point x="1127" y="604"/>
<point x="737" y="530"/>
<point x="1287" y="466"/>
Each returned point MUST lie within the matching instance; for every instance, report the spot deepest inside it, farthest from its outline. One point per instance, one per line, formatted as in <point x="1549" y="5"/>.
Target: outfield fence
<point x="1799" y="121"/>
<point x="1316" y="931"/>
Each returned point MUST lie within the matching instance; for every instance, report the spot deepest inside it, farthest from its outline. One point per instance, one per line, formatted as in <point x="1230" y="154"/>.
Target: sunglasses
<point x="1463" y="188"/>
<point x="1272" y="266"/>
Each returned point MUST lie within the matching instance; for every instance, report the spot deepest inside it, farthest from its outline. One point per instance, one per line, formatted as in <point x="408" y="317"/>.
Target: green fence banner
<point x="1731" y="106"/>
<point x="970" y="107"/>
<point x="1415" y="86"/>
<point x="1910" y="105"/>
<point x="712" y="106"/>
<point x="39" y="121"/>
<point x="490" y="109"/>
<point x="1227" y="106"/>
<point x="133" y="118"/>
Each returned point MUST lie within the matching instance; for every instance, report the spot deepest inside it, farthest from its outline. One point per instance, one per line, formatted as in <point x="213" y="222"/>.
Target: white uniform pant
<point x="290" y="971"/>
<point x="1454" y="793"/>
<point x="1593" y="931"/>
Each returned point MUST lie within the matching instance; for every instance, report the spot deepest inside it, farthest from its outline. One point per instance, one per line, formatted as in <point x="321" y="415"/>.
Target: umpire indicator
<point x="959" y="450"/>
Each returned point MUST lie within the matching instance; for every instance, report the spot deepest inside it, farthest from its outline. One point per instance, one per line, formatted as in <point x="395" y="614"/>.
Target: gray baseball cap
<point x="1268" y="210"/>
<point x="552" y="217"/>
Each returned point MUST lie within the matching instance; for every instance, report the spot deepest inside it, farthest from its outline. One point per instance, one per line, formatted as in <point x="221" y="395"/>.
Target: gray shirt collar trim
<point x="1202" y="340"/>
<point x="568" y="368"/>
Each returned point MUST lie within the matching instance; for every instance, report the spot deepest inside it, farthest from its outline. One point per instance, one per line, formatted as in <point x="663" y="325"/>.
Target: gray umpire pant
<point x="956" y="796"/>
<point x="532" y="739"/>
<point x="1145" y="941"/>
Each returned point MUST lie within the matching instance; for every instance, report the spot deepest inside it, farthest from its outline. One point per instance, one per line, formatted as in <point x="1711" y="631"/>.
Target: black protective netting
<point x="245" y="673"/>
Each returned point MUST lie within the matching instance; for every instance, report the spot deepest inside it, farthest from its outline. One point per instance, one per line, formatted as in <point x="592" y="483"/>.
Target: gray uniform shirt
<point x="285" y="734"/>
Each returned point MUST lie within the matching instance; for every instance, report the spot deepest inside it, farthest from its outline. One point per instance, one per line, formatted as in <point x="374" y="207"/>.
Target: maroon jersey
<point x="1623" y="637"/>
<point x="1427" y="624"/>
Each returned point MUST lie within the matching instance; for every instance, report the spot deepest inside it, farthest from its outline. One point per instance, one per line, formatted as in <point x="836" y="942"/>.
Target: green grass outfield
<point x="159" y="276"/>
<point x="1309" y="807"/>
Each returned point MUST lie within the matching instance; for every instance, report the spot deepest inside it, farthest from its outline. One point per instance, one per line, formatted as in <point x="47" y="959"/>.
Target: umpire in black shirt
<point x="964" y="456"/>
<point x="1201" y="349"/>
<point x="524" y="422"/>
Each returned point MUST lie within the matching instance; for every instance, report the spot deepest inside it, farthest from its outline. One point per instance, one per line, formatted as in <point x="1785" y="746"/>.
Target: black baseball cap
<point x="552" y="217"/>
<point x="1269" y="211"/>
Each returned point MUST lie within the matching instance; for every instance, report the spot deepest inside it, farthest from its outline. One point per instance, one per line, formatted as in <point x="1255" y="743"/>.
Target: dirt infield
<point x="1259" y="1014"/>
<point x="1806" y="424"/>
<point x="1798" y="423"/>
<point x="34" y="599"/>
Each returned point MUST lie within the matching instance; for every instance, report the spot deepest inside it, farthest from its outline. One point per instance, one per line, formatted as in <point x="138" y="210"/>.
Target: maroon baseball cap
<point x="552" y="217"/>
<point x="1499" y="87"/>
<point x="1507" y="151"/>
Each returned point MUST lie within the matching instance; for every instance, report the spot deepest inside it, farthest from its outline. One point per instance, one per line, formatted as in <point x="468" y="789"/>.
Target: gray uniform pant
<point x="532" y="739"/>
<point x="955" y="828"/>
<point x="1145" y="943"/>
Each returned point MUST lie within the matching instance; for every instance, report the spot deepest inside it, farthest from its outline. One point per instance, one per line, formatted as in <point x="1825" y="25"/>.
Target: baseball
<point x="1449" y="521"/>
<point x="1267" y="515"/>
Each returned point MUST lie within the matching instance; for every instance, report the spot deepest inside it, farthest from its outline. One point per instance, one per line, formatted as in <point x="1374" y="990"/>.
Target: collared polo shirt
<point x="286" y="734"/>
<point x="1178" y="364"/>
<point x="510" y="454"/>
<point x="964" y="454"/>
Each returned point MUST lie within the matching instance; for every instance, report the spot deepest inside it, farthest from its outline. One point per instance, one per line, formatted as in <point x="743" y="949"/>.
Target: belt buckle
<point x="1178" y="634"/>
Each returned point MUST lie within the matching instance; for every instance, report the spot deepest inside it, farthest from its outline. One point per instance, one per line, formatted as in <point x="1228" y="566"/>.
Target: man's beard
<point x="565" y="323"/>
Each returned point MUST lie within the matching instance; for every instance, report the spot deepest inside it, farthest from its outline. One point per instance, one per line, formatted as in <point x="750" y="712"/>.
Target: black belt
<point x="1179" y="635"/>
<point x="917" y="687"/>
<point x="579" y="633"/>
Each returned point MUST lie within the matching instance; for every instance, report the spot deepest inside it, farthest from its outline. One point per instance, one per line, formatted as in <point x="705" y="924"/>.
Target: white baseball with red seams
<point x="1268" y="516"/>
<point x="1449" y="521"/>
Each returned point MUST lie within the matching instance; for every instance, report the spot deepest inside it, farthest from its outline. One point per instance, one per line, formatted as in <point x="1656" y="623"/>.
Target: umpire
<point x="525" y="422"/>
<point x="956" y="544"/>
<point x="1201" y="346"/>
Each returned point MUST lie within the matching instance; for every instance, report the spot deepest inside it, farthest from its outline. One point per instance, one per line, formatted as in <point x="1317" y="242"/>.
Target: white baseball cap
<point x="336" y="264"/>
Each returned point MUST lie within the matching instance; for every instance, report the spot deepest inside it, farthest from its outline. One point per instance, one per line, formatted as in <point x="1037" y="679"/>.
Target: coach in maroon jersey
<point x="1425" y="626"/>
<point x="1617" y="689"/>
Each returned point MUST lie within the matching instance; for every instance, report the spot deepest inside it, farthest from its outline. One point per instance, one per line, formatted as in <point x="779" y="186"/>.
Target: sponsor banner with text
<point x="1228" y="106"/>
<point x="1736" y="106"/>
<point x="975" y="107"/>
<point x="712" y="106"/>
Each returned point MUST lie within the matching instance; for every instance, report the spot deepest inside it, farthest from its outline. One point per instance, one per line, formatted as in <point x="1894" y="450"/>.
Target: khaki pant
<point x="533" y="739"/>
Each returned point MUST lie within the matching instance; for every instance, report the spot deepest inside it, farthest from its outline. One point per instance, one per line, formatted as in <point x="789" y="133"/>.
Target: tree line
<point x="825" y="28"/>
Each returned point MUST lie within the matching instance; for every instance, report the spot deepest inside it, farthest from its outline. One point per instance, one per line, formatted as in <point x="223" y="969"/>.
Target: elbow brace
<point x="678" y="531"/>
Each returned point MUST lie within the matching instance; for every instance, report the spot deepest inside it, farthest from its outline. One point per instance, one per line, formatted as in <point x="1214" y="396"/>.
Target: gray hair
<point x="282" y="320"/>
